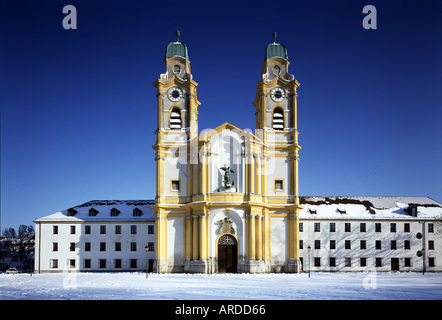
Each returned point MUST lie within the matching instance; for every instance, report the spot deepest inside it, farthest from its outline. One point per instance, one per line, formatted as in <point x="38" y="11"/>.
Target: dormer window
<point x="175" y="119"/>
<point x="342" y="211"/>
<point x="72" y="212"/>
<point x="137" y="212"/>
<point x="115" y="212"/>
<point x="278" y="119"/>
<point x="92" y="212"/>
<point x="312" y="211"/>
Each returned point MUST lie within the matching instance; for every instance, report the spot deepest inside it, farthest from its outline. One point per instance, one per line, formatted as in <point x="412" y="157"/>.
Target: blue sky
<point x="78" y="108"/>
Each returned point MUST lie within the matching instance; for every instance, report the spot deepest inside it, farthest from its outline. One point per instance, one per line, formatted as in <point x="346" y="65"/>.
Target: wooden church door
<point x="227" y="254"/>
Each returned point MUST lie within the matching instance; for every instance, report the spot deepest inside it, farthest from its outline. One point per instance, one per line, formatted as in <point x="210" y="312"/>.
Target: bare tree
<point x="21" y="243"/>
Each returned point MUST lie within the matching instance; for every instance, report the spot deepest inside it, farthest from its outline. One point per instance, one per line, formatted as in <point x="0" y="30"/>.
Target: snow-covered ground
<point x="222" y="286"/>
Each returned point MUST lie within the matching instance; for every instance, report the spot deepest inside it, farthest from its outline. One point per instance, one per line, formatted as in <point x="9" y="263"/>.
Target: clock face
<point x="277" y="94"/>
<point x="175" y="94"/>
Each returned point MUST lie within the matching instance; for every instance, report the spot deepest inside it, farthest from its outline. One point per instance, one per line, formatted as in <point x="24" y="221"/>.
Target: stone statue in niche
<point x="228" y="185"/>
<point x="227" y="226"/>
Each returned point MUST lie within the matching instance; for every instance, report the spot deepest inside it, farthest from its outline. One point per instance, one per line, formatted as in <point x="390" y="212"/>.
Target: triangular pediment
<point x="231" y="127"/>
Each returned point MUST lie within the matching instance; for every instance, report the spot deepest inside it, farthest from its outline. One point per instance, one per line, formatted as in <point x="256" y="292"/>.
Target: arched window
<point x="175" y="118"/>
<point x="278" y="119"/>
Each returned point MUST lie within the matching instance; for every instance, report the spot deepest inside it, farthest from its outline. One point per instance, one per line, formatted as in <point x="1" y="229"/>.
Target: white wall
<point x="46" y="238"/>
<point x="370" y="236"/>
<point x="278" y="240"/>
<point x="175" y="240"/>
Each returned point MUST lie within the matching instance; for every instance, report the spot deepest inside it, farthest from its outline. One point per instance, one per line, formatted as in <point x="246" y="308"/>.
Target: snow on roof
<point x="314" y="208"/>
<point x="370" y="207"/>
<point x="124" y="211"/>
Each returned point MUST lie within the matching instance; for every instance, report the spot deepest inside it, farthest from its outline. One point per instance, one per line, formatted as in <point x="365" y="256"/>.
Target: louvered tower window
<point x="278" y="119"/>
<point x="175" y="119"/>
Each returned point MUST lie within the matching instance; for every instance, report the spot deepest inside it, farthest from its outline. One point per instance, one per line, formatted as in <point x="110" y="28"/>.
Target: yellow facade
<point x="194" y="205"/>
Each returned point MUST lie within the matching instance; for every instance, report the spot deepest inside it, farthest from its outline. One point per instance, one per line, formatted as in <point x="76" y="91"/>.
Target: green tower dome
<point x="276" y="49"/>
<point x="177" y="48"/>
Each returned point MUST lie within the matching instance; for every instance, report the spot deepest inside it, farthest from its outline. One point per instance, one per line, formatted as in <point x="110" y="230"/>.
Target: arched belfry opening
<point x="227" y="254"/>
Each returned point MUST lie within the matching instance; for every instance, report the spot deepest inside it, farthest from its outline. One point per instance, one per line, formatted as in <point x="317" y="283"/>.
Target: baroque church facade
<point x="226" y="185"/>
<point x="227" y="200"/>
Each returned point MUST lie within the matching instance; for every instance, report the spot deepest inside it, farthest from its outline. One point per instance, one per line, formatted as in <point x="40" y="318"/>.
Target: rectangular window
<point x="102" y="263"/>
<point x="430" y="244"/>
<point x="407" y="262"/>
<point x="102" y="246"/>
<point x="332" y="262"/>
<point x="347" y="262"/>
<point x="317" y="227"/>
<point x="133" y="246"/>
<point x="279" y="185"/>
<point x="393" y="245"/>
<point x="133" y="229"/>
<point x="347" y="244"/>
<point x="53" y="263"/>
<point x="363" y="245"/>
<point x="117" y="229"/>
<point x="133" y="263"/>
<point x="87" y="246"/>
<point x="54" y="246"/>
<point x="72" y="229"/>
<point x="377" y="227"/>
<point x="151" y="246"/>
<point x="406" y="227"/>
<point x="332" y="227"/>
<point x="430" y="227"/>
<point x="301" y="244"/>
<point x="71" y="263"/>
<point x="348" y="227"/>
<point x="317" y="261"/>
<point x="87" y="263"/>
<point x="301" y="227"/>
<point x="363" y="227"/>
<point x="407" y="244"/>
<point x="87" y="229"/>
<point x="378" y="262"/>
<point x="54" y="229"/>
<point x="175" y="185"/>
<point x="378" y="245"/>
<point x="317" y="244"/>
<point x="392" y="227"/>
<point x="102" y="229"/>
<point x="151" y="229"/>
<point x="72" y="246"/>
<point x="431" y="262"/>
<point x="117" y="246"/>
<point x="363" y="262"/>
<point x="117" y="263"/>
<point x="332" y="244"/>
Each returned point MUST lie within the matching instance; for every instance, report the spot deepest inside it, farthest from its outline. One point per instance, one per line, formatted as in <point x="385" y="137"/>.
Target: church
<point x="225" y="186"/>
<point x="227" y="200"/>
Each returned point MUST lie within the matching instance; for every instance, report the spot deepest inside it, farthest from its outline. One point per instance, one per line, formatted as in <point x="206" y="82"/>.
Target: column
<point x="188" y="247"/>
<point x="258" y="174"/>
<point x="161" y="241"/>
<point x="250" y="236"/>
<point x="195" y="235"/>
<point x="204" y="239"/>
<point x="258" y="237"/>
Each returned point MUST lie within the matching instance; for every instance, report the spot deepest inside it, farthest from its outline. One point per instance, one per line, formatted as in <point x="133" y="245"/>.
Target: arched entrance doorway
<point x="227" y="254"/>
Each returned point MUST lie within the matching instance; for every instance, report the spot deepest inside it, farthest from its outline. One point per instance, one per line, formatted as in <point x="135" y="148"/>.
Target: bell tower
<point x="177" y="126"/>
<point x="276" y="123"/>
